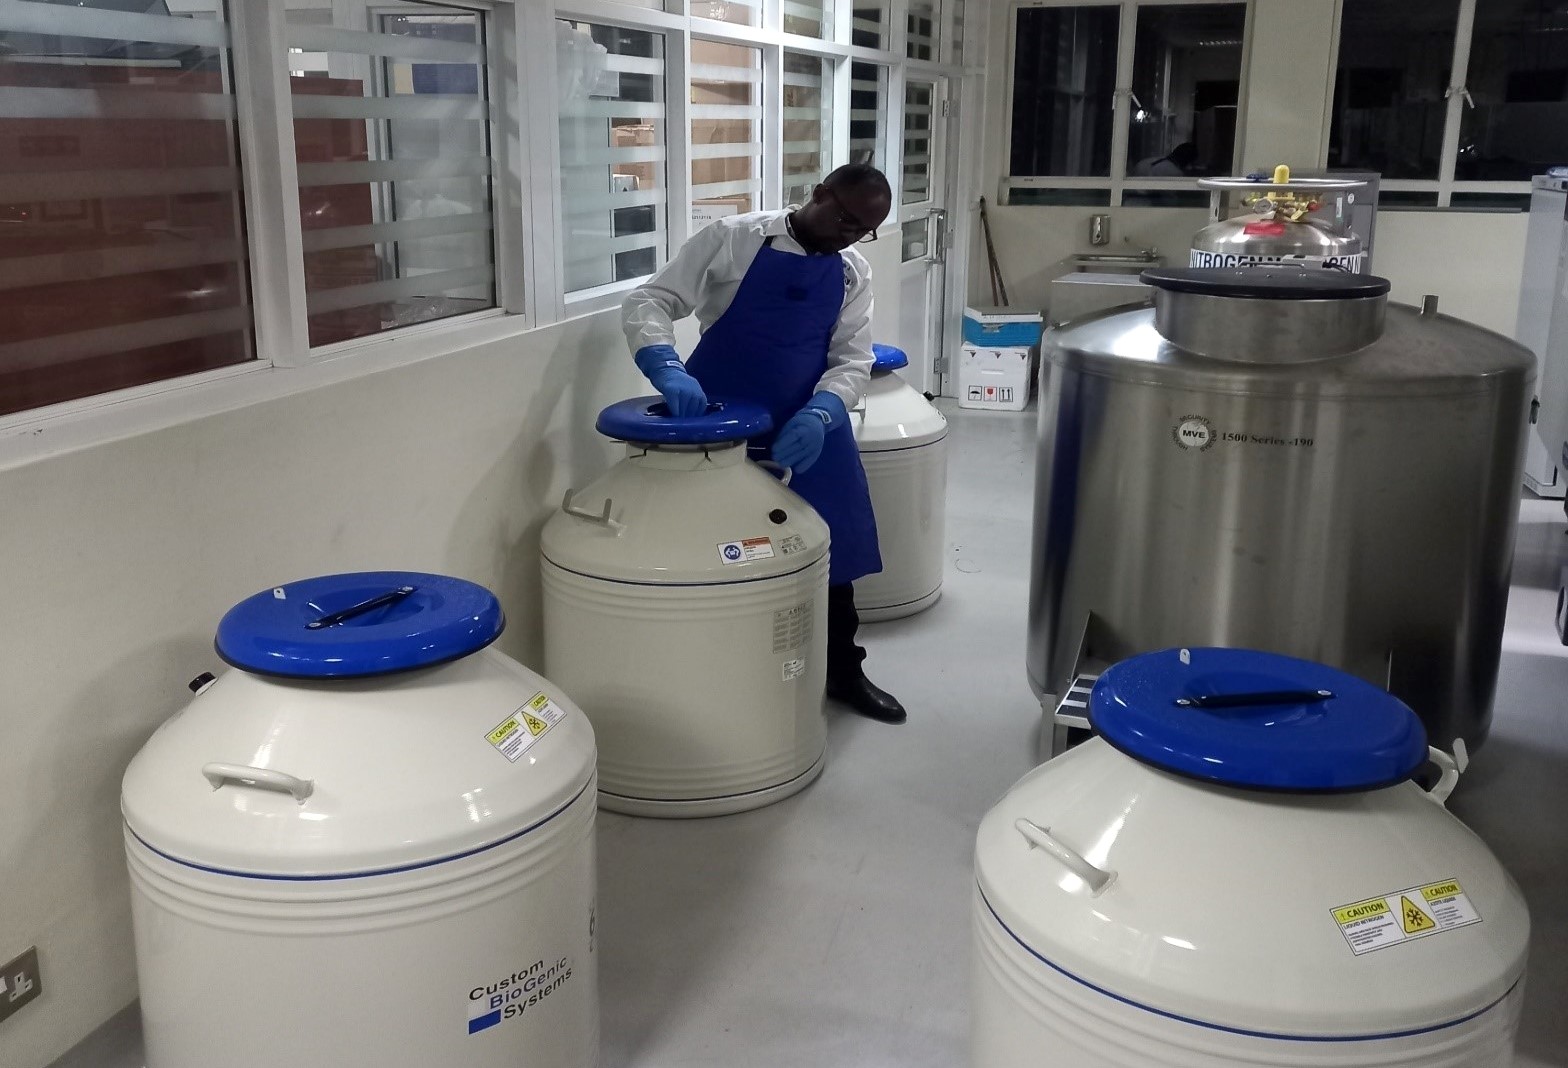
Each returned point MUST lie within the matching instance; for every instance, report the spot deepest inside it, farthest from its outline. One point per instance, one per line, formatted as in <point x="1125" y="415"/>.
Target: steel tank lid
<point x="1418" y="354"/>
<point x="1265" y="283"/>
<point x="1257" y="720"/>
<point x="359" y="625"/>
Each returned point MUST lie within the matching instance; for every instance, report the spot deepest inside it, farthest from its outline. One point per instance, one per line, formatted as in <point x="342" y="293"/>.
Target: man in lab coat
<point x="784" y="302"/>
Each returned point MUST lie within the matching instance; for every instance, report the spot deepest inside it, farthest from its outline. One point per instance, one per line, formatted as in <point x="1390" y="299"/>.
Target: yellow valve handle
<point x="1281" y="174"/>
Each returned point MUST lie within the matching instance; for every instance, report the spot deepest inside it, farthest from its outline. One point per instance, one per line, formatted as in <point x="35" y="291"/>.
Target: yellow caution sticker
<point x="1414" y="917"/>
<point x="515" y="734"/>
<point x="1404" y="916"/>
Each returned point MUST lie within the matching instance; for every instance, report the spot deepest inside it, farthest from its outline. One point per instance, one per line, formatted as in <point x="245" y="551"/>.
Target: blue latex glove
<point x="662" y="365"/>
<point x="799" y="444"/>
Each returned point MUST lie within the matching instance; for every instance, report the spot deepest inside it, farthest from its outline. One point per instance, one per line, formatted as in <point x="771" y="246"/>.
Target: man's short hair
<point x="857" y="176"/>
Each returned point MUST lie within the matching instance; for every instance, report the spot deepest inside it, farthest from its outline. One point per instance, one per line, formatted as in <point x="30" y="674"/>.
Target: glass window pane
<point x="726" y="130"/>
<point x="122" y="237"/>
<point x="867" y="113"/>
<point x="738" y="12"/>
<point x="919" y="100"/>
<point x="1064" y="81"/>
<point x="613" y="184"/>
<point x="393" y="152"/>
<point x="923" y="37"/>
<point x="808" y="124"/>
<point x="868" y="24"/>
<point x="1389" y="102"/>
<point x="1518" y="79"/>
<point x="1186" y="80"/>
<point x="809" y="18"/>
<point x="913" y="236"/>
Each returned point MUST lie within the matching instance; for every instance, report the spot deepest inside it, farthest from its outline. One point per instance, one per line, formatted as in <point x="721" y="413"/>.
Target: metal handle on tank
<point x="1097" y="879"/>
<point x="602" y="518"/>
<point x="1453" y="767"/>
<point x="784" y="473"/>
<point x="265" y="778"/>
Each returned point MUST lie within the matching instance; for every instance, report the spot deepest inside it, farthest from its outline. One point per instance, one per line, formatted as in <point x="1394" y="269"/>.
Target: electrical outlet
<point x="19" y="982"/>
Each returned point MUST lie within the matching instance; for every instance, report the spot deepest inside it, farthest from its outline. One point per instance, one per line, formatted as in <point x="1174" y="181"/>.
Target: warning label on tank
<point x="791" y="627"/>
<point x="794" y="543"/>
<point x="515" y="734"/>
<point x="515" y="996"/>
<point x="794" y="669"/>
<point x="742" y="552"/>
<point x="1392" y="919"/>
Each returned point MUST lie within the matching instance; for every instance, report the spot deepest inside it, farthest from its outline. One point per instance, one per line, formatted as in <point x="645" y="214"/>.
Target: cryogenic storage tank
<point x="1237" y="874"/>
<point x="1300" y="222"/>
<point x="1280" y="459"/>
<point x="685" y="607"/>
<point x="903" y="447"/>
<point x="371" y="844"/>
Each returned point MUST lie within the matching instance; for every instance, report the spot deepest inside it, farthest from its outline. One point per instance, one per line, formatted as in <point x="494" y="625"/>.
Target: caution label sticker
<point x="794" y="669"/>
<point x="515" y="734"/>
<point x="746" y="550"/>
<point x="1404" y="916"/>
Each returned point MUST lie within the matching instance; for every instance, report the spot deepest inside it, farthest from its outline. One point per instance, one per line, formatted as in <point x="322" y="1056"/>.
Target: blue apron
<point x="771" y="347"/>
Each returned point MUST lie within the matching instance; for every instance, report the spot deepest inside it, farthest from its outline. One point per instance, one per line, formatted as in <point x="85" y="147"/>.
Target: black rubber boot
<point x="846" y="681"/>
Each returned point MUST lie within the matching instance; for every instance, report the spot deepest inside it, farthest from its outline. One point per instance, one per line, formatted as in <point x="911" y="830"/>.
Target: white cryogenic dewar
<point x="1238" y="873"/>
<point x="371" y="844"/>
<point x="685" y="608"/>
<point x="903" y="447"/>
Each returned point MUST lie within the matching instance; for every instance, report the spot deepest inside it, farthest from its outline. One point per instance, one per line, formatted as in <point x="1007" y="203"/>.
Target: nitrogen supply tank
<point x="903" y="447"/>
<point x="1279" y="459"/>
<point x="1238" y="873"/>
<point x="1300" y="222"/>
<point x="372" y="843"/>
<point x="685" y="608"/>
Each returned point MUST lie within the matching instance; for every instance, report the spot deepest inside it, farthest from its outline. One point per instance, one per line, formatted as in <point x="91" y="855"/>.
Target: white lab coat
<point x="706" y="273"/>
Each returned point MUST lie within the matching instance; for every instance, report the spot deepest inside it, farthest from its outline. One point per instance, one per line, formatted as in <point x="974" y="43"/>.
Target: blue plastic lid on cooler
<point x="1238" y="717"/>
<point x="357" y="625"/>
<point x="887" y="358"/>
<point x="647" y="421"/>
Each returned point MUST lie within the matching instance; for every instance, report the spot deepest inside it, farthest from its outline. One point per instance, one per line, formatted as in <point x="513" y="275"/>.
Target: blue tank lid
<point x="887" y="358"/>
<point x="1262" y="721"/>
<point x="647" y="421"/>
<point x="361" y="624"/>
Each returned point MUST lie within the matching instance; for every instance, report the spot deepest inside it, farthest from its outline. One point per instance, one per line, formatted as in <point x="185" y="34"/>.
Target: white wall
<point x="120" y="559"/>
<point x="1472" y="260"/>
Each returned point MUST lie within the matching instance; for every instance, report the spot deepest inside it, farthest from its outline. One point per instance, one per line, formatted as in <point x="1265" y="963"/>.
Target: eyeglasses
<point x="847" y="223"/>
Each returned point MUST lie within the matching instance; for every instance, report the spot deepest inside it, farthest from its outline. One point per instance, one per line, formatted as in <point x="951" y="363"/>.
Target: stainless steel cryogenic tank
<point x="1279" y="459"/>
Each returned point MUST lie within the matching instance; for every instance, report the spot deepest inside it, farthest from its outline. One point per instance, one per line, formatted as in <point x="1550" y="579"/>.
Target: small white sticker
<point x="277" y="592"/>
<point x="794" y="543"/>
<point x="794" y="669"/>
<point x="1404" y="916"/>
<point x="515" y="734"/>
<point x="745" y="551"/>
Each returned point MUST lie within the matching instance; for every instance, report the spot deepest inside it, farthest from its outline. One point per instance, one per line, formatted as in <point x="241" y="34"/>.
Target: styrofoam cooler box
<point x="994" y="327"/>
<point x="994" y="378"/>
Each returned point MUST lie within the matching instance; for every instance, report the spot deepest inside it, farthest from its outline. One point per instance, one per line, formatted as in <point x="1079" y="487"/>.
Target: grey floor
<point x="833" y="929"/>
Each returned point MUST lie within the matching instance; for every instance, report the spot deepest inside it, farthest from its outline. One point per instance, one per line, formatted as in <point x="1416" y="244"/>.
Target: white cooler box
<point x="994" y="378"/>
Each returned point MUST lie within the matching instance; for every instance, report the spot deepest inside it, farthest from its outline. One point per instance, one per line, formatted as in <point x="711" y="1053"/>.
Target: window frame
<point x="1118" y="181"/>
<point x="1445" y="185"/>
<point x="527" y="224"/>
